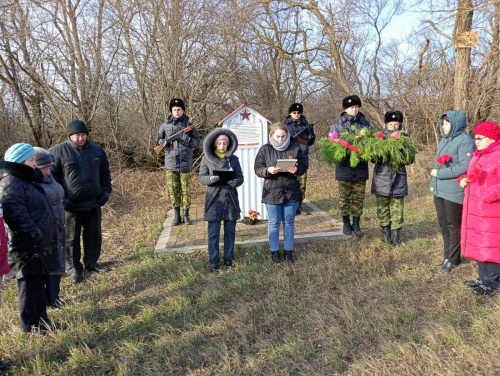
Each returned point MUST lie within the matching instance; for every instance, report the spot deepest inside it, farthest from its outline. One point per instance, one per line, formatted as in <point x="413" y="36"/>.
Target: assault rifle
<point x="297" y="135"/>
<point x="175" y="136"/>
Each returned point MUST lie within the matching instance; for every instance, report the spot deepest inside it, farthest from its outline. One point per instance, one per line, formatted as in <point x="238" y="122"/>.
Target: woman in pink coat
<point x="481" y="213"/>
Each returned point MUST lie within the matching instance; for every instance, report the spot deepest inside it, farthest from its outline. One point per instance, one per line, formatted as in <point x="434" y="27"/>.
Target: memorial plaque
<point x="249" y="134"/>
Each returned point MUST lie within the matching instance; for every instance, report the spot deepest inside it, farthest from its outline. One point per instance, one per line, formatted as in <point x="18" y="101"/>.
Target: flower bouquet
<point x="252" y="217"/>
<point x="365" y="145"/>
<point x="399" y="149"/>
<point x="444" y="159"/>
<point x="345" y="146"/>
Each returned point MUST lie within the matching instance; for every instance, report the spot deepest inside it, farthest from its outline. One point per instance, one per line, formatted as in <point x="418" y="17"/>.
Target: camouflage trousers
<point x="303" y="184"/>
<point x="390" y="211"/>
<point x="351" y="197"/>
<point x="179" y="188"/>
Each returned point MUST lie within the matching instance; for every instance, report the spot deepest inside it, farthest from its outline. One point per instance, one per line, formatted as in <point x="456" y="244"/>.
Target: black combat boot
<point x="355" y="226"/>
<point x="347" y="225"/>
<point x="177" y="217"/>
<point x="386" y="230"/>
<point x="289" y="257"/>
<point x="395" y="237"/>
<point x="187" y="221"/>
<point x="276" y="257"/>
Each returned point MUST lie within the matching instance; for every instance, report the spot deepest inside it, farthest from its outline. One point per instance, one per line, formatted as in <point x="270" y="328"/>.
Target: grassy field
<point x="356" y="307"/>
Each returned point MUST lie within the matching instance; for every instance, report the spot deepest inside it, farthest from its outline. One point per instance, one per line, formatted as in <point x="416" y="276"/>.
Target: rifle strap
<point x="302" y="141"/>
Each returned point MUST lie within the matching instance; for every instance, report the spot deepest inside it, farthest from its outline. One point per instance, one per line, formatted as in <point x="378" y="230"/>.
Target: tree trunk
<point x="463" y="23"/>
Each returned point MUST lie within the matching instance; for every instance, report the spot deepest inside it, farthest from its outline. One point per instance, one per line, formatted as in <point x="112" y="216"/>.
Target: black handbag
<point x="34" y="266"/>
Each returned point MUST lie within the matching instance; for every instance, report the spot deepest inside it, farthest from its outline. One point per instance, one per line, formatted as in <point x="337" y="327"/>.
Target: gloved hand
<point x="231" y="183"/>
<point x="103" y="199"/>
<point x="68" y="205"/>
<point x="214" y="179"/>
<point x="186" y="138"/>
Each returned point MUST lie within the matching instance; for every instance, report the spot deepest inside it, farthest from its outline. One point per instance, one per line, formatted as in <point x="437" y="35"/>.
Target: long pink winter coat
<point x="481" y="213"/>
<point x="4" y="264"/>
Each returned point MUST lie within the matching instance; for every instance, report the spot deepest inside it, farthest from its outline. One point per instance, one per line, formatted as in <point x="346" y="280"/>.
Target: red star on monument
<point x="245" y="115"/>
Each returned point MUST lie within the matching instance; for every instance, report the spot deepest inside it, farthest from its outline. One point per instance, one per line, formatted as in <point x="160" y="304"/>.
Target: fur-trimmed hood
<point x="209" y="147"/>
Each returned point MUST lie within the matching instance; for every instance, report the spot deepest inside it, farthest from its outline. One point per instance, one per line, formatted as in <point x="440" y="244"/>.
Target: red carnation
<point x="443" y="159"/>
<point x="380" y="135"/>
<point x="475" y="174"/>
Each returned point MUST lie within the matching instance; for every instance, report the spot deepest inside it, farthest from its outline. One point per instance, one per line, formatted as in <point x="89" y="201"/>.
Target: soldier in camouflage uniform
<point x="390" y="186"/>
<point x="296" y="122"/>
<point x="351" y="180"/>
<point x="178" y="158"/>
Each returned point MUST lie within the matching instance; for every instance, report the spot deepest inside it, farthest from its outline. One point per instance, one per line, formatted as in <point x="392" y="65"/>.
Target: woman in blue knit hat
<point x="33" y="236"/>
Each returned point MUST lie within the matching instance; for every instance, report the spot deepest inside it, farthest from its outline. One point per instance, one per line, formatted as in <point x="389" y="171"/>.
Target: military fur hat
<point x="391" y="116"/>
<point x="351" y="100"/>
<point x="176" y="102"/>
<point x="296" y="107"/>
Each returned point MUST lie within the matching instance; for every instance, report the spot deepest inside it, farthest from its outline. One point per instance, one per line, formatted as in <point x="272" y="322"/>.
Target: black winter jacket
<point x="296" y="125"/>
<point x="28" y="218"/>
<point x="282" y="187"/>
<point x="343" y="170"/>
<point x="221" y="200"/>
<point x="179" y="158"/>
<point x="83" y="173"/>
<point x="389" y="182"/>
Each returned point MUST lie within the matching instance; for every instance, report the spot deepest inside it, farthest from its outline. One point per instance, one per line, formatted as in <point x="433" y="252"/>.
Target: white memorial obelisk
<point x="251" y="128"/>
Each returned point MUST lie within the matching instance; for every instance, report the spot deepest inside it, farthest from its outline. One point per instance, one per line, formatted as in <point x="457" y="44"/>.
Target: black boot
<point x="444" y="262"/>
<point x="302" y="210"/>
<point x="347" y="225"/>
<point x="177" y="217"/>
<point x="276" y="257"/>
<point x="386" y="230"/>
<point x="289" y="257"/>
<point x="355" y="226"/>
<point x="395" y="237"/>
<point x="187" y="221"/>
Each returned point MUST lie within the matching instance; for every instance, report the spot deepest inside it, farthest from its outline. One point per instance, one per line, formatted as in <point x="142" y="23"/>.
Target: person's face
<point x="79" y="139"/>
<point x="177" y="112"/>
<point x="353" y="110"/>
<point x="295" y="115"/>
<point x="46" y="171"/>
<point x="31" y="161"/>
<point x="392" y="126"/>
<point x="222" y="146"/>
<point x="279" y="135"/>
<point x="446" y="127"/>
<point x="482" y="142"/>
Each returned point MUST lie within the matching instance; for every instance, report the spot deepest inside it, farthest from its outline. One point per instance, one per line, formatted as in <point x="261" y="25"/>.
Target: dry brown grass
<point x="349" y="308"/>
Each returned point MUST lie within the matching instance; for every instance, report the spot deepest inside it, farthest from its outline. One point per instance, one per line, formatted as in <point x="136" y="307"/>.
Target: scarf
<point x="280" y="146"/>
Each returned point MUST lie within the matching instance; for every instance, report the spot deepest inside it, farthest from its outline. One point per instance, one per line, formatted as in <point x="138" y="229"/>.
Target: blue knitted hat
<point x="18" y="153"/>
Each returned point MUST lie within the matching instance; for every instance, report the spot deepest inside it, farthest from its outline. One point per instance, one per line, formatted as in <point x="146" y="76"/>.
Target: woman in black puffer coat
<point x="32" y="233"/>
<point x="221" y="197"/>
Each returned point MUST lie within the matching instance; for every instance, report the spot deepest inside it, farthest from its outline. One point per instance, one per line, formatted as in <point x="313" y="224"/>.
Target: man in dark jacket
<point x="352" y="180"/>
<point x="297" y="123"/>
<point x="82" y="168"/>
<point x="178" y="158"/>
